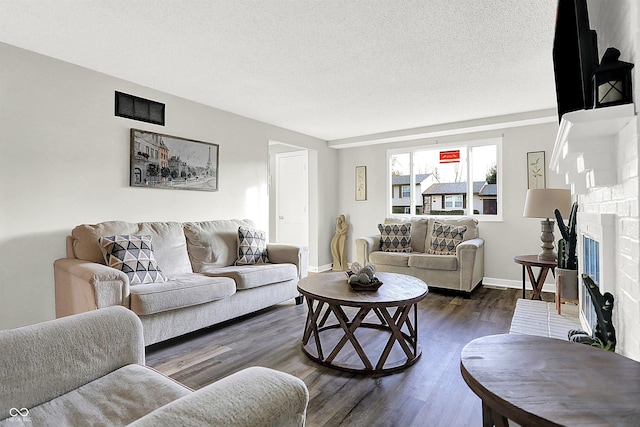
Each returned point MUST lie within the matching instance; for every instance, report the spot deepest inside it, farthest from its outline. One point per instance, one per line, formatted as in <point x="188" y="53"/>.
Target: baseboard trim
<point x="320" y="269"/>
<point x="515" y="284"/>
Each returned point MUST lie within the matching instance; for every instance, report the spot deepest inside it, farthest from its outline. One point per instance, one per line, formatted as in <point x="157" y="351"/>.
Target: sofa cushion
<point x="181" y="291"/>
<point x="395" y="237"/>
<point x="445" y="238"/>
<point x="434" y="262"/>
<point x="252" y="276"/>
<point x="117" y="398"/>
<point x="133" y="255"/>
<point x="213" y="244"/>
<point x="169" y="243"/>
<point x="399" y="259"/>
<point x="252" y="246"/>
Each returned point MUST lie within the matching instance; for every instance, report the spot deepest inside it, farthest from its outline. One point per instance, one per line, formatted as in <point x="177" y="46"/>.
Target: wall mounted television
<point x="575" y="56"/>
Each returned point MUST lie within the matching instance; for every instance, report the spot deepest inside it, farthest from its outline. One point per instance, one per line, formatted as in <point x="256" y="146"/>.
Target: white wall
<point x="513" y="236"/>
<point x="64" y="160"/>
<point x="617" y="25"/>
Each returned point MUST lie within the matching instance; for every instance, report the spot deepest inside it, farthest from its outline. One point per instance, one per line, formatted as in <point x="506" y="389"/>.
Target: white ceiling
<point x="327" y="68"/>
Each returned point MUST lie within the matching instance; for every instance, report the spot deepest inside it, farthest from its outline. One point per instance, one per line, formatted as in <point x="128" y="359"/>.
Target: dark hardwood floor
<point x="429" y="393"/>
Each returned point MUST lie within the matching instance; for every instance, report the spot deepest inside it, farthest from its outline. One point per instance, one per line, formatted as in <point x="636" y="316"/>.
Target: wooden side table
<point x="530" y="261"/>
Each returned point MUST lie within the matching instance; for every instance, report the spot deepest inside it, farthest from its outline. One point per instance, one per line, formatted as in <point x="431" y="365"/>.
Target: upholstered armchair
<point x="89" y="369"/>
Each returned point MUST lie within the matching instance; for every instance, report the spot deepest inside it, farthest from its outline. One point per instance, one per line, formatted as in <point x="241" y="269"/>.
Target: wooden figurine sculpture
<point x="339" y="244"/>
<point x="604" y="334"/>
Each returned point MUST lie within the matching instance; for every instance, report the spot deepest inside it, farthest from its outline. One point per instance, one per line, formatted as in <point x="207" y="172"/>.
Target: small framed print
<point x="536" y="177"/>
<point x="361" y="183"/>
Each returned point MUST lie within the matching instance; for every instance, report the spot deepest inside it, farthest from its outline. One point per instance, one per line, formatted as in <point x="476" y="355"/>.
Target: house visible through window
<point x="439" y="179"/>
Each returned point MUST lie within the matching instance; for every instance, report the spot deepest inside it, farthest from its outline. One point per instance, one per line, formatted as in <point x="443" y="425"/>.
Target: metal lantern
<point x="612" y="81"/>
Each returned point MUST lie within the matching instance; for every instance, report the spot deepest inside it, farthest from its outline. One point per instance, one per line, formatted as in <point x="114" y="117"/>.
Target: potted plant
<point x="567" y="271"/>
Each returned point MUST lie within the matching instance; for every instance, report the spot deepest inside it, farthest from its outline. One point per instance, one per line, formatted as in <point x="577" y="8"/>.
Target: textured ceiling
<point x="331" y="69"/>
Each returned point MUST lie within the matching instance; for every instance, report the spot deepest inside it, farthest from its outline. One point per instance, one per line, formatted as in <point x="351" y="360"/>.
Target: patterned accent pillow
<point x="133" y="255"/>
<point x="395" y="237"/>
<point x="252" y="246"/>
<point x="446" y="238"/>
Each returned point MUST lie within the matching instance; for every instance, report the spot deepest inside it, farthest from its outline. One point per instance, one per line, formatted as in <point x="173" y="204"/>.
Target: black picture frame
<point x="172" y="162"/>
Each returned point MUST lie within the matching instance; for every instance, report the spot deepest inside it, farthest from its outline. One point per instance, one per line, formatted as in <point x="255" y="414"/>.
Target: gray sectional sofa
<point x="203" y="287"/>
<point x="462" y="270"/>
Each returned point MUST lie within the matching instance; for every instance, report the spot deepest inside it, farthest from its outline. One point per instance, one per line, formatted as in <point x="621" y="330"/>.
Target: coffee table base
<point x="345" y="331"/>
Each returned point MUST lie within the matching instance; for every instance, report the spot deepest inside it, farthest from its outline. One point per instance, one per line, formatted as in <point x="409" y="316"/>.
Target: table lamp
<point x="542" y="203"/>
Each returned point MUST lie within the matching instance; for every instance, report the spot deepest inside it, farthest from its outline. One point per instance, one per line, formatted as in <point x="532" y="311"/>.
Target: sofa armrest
<point x="255" y="396"/>
<point x="470" y="256"/>
<point x="84" y="285"/>
<point x="46" y="360"/>
<point x="364" y="246"/>
<point x="279" y="253"/>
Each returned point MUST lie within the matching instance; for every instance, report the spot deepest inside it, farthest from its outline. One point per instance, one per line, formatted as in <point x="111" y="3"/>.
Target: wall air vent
<point x="136" y="108"/>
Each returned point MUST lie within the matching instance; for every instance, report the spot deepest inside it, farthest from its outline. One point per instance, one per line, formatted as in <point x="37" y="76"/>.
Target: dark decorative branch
<point x="604" y="334"/>
<point x="567" y="246"/>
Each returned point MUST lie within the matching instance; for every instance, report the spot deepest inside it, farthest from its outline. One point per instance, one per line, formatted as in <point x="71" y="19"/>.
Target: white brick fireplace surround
<point x="597" y="152"/>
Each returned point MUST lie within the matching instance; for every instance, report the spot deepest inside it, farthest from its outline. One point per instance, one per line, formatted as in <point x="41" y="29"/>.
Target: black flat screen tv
<point x="575" y="57"/>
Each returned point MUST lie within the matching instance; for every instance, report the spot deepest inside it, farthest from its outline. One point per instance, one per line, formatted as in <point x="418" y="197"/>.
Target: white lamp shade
<point x="542" y="203"/>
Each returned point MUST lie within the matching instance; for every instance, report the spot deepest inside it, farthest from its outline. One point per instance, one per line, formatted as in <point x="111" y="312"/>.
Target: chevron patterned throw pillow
<point x="446" y="238"/>
<point x="395" y="237"/>
<point x="133" y="255"/>
<point x="252" y="246"/>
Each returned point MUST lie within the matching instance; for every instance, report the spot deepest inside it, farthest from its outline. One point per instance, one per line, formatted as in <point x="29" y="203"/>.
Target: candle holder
<point x="612" y="81"/>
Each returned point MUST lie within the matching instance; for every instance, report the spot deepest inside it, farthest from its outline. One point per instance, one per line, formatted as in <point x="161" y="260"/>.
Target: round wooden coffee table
<point x="392" y="339"/>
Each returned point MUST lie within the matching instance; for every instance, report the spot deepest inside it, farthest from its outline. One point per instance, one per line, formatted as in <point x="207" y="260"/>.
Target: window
<point x="399" y="163"/>
<point x="447" y="179"/>
<point x="453" y="201"/>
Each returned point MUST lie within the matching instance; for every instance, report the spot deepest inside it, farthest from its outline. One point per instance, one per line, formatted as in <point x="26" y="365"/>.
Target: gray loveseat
<point x="88" y="369"/>
<point x="462" y="270"/>
<point x="204" y="287"/>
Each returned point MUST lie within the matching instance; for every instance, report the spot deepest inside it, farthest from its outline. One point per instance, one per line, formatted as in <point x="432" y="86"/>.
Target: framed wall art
<point x="171" y="162"/>
<point x="361" y="183"/>
<point x="536" y="177"/>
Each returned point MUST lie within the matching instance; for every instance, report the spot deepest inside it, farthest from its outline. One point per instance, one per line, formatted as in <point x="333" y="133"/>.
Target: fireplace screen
<point x="591" y="267"/>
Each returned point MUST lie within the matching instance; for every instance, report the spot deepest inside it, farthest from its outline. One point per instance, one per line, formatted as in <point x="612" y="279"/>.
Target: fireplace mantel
<point x="585" y="146"/>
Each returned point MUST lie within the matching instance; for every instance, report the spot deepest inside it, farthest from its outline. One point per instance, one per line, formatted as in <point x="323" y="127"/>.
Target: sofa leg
<point x="299" y="299"/>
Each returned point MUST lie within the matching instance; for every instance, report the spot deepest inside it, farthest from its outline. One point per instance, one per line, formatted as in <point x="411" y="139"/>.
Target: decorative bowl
<point x="357" y="286"/>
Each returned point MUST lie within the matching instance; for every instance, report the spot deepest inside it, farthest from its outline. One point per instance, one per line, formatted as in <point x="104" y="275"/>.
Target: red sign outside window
<point x="451" y="156"/>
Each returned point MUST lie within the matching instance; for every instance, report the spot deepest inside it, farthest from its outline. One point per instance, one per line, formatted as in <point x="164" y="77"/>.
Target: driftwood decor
<point x="604" y="334"/>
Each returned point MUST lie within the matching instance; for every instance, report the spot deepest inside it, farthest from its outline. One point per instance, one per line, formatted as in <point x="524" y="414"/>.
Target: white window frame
<point x="454" y="199"/>
<point x="402" y="187"/>
<point x="468" y="145"/>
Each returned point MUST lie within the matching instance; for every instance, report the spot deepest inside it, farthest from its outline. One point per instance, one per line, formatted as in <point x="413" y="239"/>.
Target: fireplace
<point x="596" y="254"/>
<point x="591" y="264"/>
<point x="598" y="153"/>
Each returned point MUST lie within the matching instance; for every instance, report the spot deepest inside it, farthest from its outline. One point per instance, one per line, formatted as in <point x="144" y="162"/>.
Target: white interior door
<point x="292" y="197"/>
